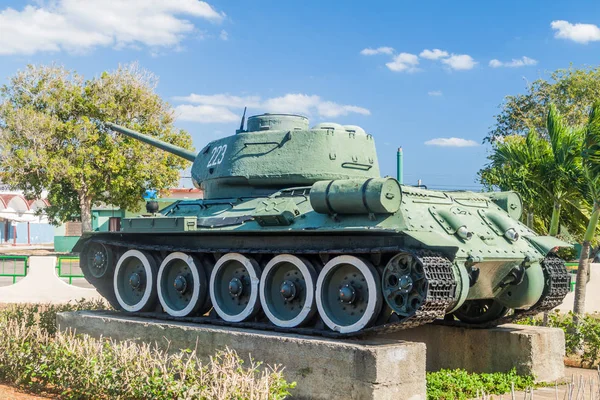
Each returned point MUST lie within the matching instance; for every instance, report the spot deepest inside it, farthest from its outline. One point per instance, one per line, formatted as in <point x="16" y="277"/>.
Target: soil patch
<point x="11" y="393"/>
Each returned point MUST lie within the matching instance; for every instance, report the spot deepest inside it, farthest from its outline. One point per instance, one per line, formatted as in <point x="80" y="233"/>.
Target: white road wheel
<point x="287" y="291"/>
<point x="348" y="294"/>
<point x="234" y="285"/>
<point x="134" y="281"/>
<point x="182" y="284"/>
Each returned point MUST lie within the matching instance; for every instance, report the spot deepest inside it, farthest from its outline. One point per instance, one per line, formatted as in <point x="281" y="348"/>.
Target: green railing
<point x="13" y="267"/>
<point x="68" y="267"/>
<point x="572" y="268"/>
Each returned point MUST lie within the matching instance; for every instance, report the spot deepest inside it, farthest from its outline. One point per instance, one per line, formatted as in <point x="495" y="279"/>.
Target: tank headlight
<point x="511" y="235"/>
<point x="464" y="233"/>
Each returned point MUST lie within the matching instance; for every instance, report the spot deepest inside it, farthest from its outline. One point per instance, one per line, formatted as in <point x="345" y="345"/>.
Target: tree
<point x="53" y="138"/>
<point x="547" y="172"/>
<point x="571" y="90"/>
<point x="591" y="173"/>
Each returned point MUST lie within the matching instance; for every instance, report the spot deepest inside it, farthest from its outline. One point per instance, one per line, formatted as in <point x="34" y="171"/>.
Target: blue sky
<point x="372" y="64"/>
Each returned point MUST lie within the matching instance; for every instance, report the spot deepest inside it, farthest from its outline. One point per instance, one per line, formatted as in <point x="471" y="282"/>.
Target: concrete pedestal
<point x="323" y="368"/>
<point x="531" y="350"/>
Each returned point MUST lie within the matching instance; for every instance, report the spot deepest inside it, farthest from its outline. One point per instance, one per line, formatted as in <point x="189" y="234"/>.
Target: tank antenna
<point x="243" y="119"/>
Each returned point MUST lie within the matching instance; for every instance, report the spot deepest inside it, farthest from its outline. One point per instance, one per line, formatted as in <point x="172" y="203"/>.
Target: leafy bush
<point x="459" y="384"/>
<point x="582" y="340"/>
<point x="36" y="357"/>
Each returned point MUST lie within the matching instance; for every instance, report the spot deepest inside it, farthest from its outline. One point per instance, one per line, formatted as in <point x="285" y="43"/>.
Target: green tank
<point x="298" y="232"/>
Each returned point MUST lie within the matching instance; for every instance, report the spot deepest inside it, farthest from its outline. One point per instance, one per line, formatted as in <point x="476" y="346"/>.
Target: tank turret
<point x="276" y="151"/>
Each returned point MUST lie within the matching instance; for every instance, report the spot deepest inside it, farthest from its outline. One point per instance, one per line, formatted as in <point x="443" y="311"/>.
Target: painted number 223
<point x="217" y="156"/>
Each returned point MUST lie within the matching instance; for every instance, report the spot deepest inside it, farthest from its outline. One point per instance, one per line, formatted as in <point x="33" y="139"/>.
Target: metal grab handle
<point x="355" y="165"/>
<point x="285" y="139"/>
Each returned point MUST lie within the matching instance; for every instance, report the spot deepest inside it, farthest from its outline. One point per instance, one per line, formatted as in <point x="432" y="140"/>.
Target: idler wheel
<point x="135" y="281"/>
<point x="404" y="284"/>
<point x="287" y="291"/>
<point x="234" y="287"/>
<point x="480" y="311"/>
<point x="348" y="294"/>
<point x="98" y="259"/>
<point x="182" y="285"/>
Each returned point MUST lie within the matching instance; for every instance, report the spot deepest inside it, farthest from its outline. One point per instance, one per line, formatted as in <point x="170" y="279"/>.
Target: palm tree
<point x="540" y="169"/>
<point x="561" y="173"/>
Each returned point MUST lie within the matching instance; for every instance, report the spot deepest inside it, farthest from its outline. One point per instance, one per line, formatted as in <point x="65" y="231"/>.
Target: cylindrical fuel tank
<point x="356" y="196"/>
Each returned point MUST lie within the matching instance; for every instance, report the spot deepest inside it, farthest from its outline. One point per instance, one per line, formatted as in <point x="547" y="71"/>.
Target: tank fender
<point x="546" y="244"/>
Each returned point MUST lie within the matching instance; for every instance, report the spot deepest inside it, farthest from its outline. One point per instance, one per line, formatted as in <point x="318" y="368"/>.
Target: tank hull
<point x="421" y="269"/>
<point x="299" y="231"/>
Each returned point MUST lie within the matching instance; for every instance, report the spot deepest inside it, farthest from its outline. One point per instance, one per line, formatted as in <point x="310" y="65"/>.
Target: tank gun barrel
<point x="171" y="148"/>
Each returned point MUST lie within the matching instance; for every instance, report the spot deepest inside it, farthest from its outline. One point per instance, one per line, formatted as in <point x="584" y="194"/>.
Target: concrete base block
<point x="530" y="349"/>
<point x="322" y="368"/>
<point x="42" y="285"/>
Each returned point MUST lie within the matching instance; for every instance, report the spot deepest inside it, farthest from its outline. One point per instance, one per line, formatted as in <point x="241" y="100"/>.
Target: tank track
<point x="556" y="288"/>
<point x="441" y="295"/>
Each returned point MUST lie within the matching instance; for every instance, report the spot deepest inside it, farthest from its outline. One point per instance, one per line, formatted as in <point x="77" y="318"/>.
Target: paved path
<point x="582" y="377"/>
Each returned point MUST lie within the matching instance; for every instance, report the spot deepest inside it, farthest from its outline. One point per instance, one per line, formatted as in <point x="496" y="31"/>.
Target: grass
<point x="35" y="357"/>
<point x="459" y="384"/>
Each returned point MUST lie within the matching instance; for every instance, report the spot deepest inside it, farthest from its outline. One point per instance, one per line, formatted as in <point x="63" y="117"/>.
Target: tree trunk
<point x="584" y="265"/>
<point x="530" y="219"/>
<point x="555" y="219"/>
<point x="85" y="204"/>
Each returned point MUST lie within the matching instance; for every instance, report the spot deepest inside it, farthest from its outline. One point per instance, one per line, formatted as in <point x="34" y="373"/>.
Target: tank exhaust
<point x="400" y="166"/>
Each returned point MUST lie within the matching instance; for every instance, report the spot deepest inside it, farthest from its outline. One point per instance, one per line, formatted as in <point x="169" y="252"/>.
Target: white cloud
<point x="224" y="100"/>
<point x="451" y="142"/>
<point x="460" y="62"/>
<point x="80" y="25"/>
<point x="224" y="35"/>
<point x="380" y="50"/>
<point x="221" y="105"/>
<point x="332" y="110"/>
<point x="435" y="93"/>
<point x="310" y="104"/>
<point x="580" y="33"/>
<point x="514" y="63"/>
<point x="434" y="54"/>
<point x="205" y="114"/>
<point x="295" y="103"/>
<point x="404" y="62"/>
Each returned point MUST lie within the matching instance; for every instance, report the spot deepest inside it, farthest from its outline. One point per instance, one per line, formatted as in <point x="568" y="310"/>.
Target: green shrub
<point x="459" y="384"/>
<point x="36" y="357"/>
<point x="567" y="253"/>
<point x="44" y="315"/>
